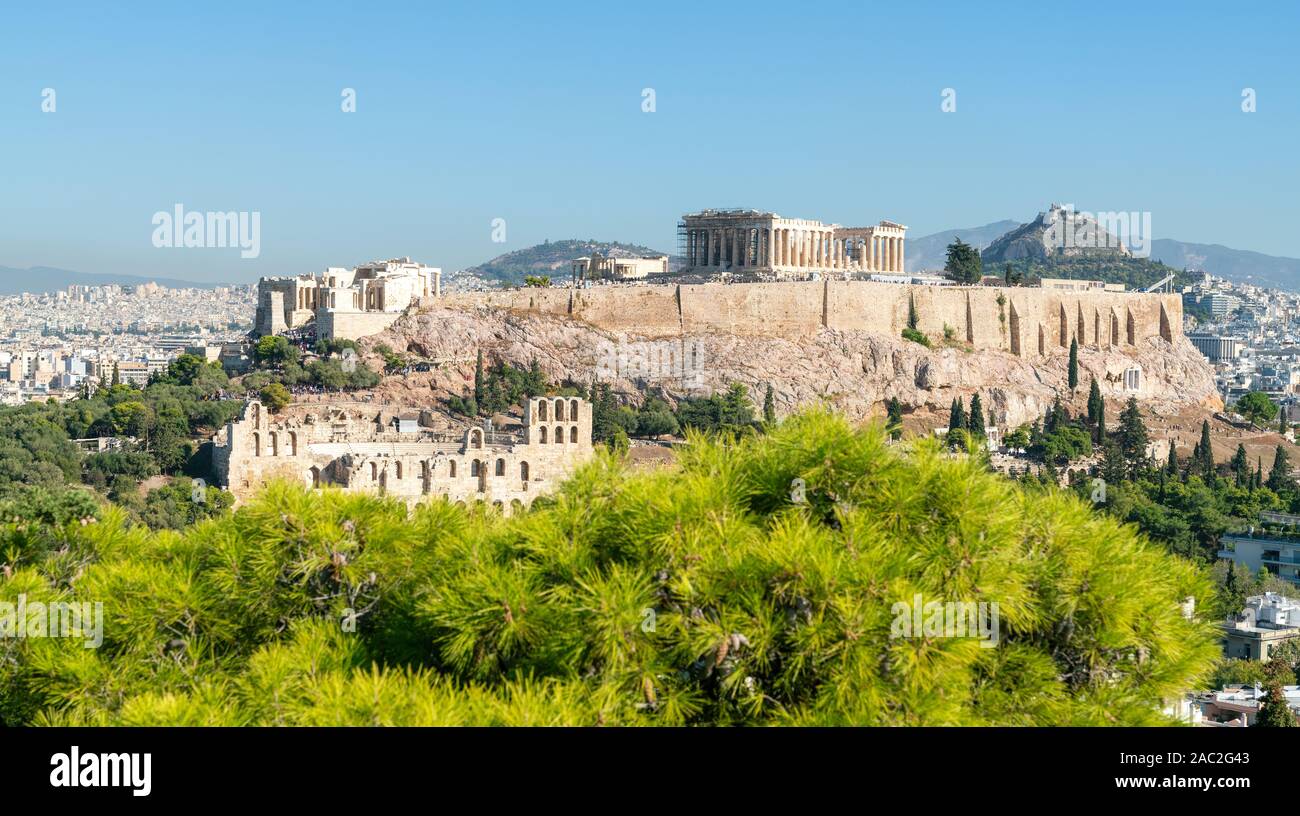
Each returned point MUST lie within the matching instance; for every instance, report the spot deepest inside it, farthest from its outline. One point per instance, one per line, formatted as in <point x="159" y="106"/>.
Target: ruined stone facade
<point x="765" y="245"/>
<point x="344" y="303"/>
<point x="600" y="267"/>
<point x="504" y="468"/>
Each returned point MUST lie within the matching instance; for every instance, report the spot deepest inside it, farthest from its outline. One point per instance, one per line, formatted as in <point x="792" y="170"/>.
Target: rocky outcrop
<point x="855" y="371"/>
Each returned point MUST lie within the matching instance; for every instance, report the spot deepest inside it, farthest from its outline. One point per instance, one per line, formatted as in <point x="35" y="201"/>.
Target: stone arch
<point x="257" y="444"/>
<point x="1166" y="331"/>
<point x="474" y="468"/>
<point x="476" y="438"/>
<point x="257" y="414"/>
<point x="499" y="506"/>
<point x="541" y="409"/>
<point x="293" y="443"/>
<point x="523" y="472"/>
<point x="273" y="444"/>
<point x="1015" y="331"/>
<point x="516" y="507"/>
<point x="451" y="468"/>
<point x="1130" y="328"/>
<point x="397" y="469"/>
<point x="313" y="476"/>
<point x="501" y="467"/>
<point x="573" y="409"/>
<point x="559" y="410"/>
<point x="573" y="435"/>
<point x="543" y="435"/>
<point x="559" y="435"/>
<point x="374" y="471"/>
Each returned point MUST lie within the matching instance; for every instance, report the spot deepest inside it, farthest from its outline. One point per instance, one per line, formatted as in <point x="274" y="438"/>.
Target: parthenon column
<point x="902" y="265"/>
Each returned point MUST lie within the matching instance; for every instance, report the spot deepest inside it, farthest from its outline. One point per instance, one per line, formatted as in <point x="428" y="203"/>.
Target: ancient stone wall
<point x="350" y="451"/>
<point x="1020" y="320"/>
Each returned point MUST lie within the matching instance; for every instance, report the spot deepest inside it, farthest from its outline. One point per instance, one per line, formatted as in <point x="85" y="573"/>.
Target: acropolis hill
<point x="833" y="341"/>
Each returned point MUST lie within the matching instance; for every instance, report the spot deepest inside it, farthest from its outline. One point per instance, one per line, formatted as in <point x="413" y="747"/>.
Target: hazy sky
<point x="532" y="113"/>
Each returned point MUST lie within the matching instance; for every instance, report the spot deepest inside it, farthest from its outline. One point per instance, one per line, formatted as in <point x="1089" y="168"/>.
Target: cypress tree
<point x="895" y="421"/>
<point x="1073" y="373"/>
<point x="1240" y="465"/>
<point x="912" y="318"/>
<point x="957" y="416"/>
<point x="478" y="378"/>
<point x="769" y="406"/>
<point x="1133" y="437"/>
<point x="1171" y="467"/>
<point x="1206" y="462"/>
<point x="1279" y="478"/>
<point x="976" y="419"/>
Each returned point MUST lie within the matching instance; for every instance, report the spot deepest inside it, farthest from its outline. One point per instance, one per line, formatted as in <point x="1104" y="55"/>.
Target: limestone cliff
<point x="856" y="371"/>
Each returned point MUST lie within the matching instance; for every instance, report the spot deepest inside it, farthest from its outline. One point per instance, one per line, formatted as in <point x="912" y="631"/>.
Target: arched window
<point x="559" y="409"/>
<point x="541" y="410"/>
<point x="473" y="468"/>
<point x="543" y="432"/>
<point x="293" y="443"/>
<point x="559" y="435"/>
<point x="476" y="438"/>
<point x="397" y="469"/>
<point x="573" y="409"/>
<point x="314" y="475"/>
<point x="523" y="471"/>
<point x="451" y="468"/>
<point x="274" y="448"/>
<point x="374" y="471"/>
<point x="257" y="443"/>
<point x="501" y="467"/>
<point x="573" y="434"/>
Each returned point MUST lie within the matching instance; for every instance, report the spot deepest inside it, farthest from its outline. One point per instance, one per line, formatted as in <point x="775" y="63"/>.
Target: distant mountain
<point x="551" y="258"/>
<point x="37" y="279"/>
<point x="930" y="252"/>
<point x="1240" y="265"/>
<point x="1054" y="234"/>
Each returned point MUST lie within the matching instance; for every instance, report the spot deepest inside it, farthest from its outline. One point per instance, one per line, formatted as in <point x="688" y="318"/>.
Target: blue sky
<point x="533" y="113"/>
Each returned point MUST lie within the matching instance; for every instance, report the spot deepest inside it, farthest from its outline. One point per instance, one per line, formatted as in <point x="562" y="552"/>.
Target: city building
<point x="1274" y="545"/>
<point x="1266" y="622"/>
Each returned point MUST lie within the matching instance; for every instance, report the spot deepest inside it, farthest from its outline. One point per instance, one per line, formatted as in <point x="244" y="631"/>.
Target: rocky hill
<point x="855" y="371"/>
<point x="551" y="258"/>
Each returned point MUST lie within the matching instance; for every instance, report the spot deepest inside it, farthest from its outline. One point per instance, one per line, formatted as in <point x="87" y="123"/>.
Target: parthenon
<point x="766" y="245"/>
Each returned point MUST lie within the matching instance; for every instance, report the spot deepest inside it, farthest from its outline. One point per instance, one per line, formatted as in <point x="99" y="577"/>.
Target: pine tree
<point x="975" y="421"/>
<point x="1274" y="712"/>
<point x="1073" y="373"/>
<point x="769" y="406"/>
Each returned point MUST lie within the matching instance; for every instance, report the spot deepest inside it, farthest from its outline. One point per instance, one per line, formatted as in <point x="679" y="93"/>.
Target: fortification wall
<point x="1019" y="320"/>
